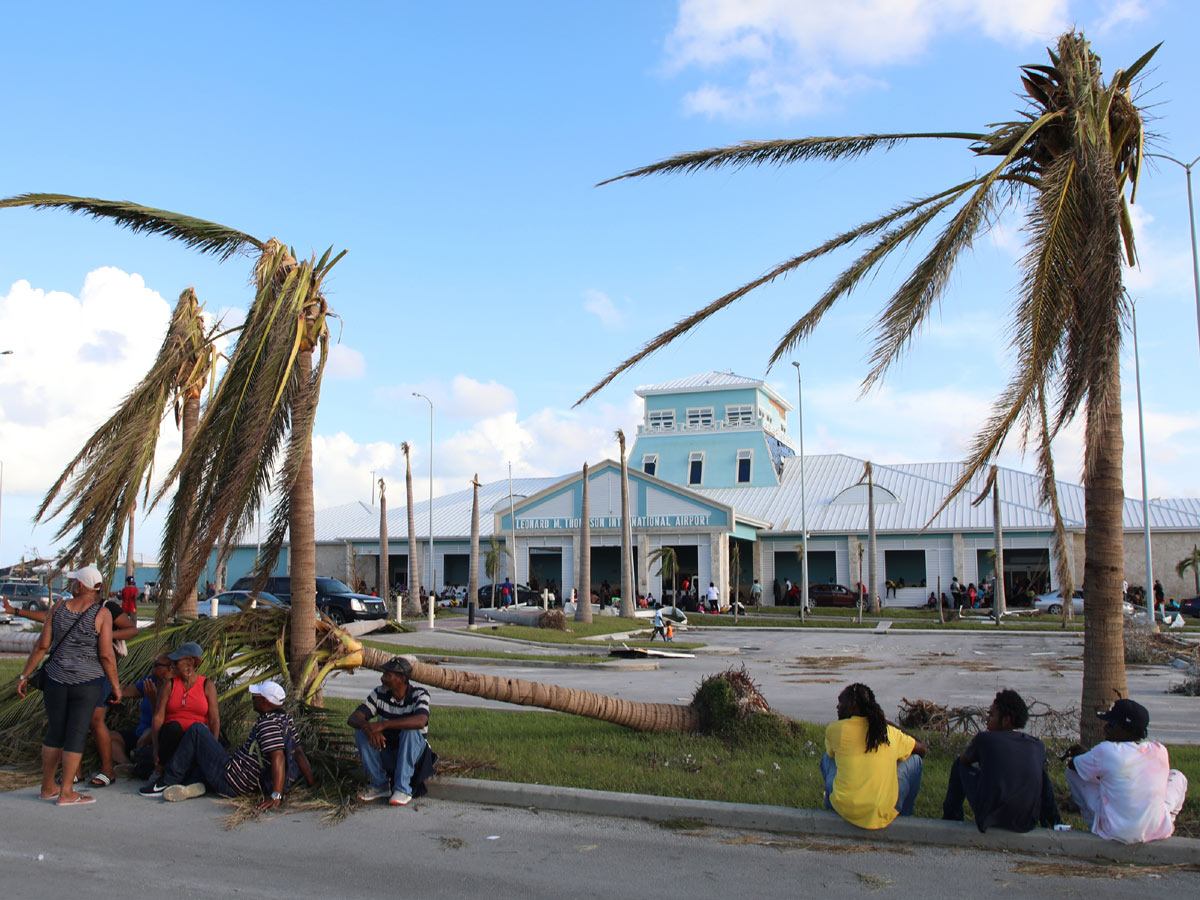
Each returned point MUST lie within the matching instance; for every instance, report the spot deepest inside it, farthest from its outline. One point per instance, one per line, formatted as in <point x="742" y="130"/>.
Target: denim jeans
<point x="200" y="750"/>
<point x="908" y="779"/>
<point x="399" y="761"/>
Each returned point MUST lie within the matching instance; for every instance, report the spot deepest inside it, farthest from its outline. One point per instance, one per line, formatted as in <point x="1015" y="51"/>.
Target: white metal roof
<point x="919" y="489"/>
<point x="707" y="381"/>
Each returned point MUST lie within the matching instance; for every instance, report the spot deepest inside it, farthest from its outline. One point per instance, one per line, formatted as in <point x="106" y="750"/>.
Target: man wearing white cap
<point x="241" y="773"/>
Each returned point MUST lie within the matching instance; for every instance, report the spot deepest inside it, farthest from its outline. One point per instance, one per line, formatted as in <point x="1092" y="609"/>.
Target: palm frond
<point x="199" y="234"/>
<point x="102" y="482"/>
<point x="784" y="152"/>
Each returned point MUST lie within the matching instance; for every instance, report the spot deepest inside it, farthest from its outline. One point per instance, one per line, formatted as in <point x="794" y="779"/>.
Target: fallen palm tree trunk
<point x="631" y="714"/>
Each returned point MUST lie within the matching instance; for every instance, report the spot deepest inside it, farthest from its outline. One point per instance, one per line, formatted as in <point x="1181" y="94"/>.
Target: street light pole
<point x="1187" y="167"/>
<point x="432" y="574"/>
<point x="803" y="505"/>
<point x="1137" y="369"/>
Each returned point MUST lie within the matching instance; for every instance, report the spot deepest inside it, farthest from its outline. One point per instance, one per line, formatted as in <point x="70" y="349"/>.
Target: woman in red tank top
<point x="187" y="699"/>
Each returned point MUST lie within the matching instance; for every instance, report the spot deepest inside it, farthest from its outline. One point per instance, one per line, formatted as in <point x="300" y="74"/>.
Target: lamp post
<point x="1137" y="369"/>
<point x="432" y="574"/>
<point x="1187" y="167"/>
<point x="803" y="505"/>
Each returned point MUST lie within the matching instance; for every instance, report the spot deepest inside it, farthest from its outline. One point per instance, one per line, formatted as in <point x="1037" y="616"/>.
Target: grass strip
<point x="571" y="751"/>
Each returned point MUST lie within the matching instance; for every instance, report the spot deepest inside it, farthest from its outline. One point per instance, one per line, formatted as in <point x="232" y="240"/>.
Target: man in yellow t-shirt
<point x="872" y="769"/>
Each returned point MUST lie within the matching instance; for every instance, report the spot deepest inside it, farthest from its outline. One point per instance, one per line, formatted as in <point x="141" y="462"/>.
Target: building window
<point x="700" y="417"/>
<point x="650" y="463"/>
<point x="744" y="459"/>
<point x="696" y="468"/>
<point x="660" y="419"/>
<point x="742" y="414"/>
<point x="904" y="568"/>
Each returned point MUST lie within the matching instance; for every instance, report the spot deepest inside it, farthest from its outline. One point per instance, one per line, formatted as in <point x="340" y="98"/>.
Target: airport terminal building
<point x="714" y="475"/>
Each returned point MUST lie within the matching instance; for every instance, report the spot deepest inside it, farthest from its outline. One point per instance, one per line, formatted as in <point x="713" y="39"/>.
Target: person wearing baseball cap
<point x="239" y="773"/>
<point x="389" y="731"/>
<point x="1125" y="786"/>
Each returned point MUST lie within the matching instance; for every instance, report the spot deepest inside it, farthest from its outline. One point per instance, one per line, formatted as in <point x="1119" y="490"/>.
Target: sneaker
<point x="152" y="788"/>
<point x="176" y="792"/>
<point x="371" y="794"/>
<point x="399" y="798"/>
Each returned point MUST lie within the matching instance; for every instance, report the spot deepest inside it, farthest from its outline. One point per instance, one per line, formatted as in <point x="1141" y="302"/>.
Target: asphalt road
<point x="127" y="846"/>
<point x="801" y="672"/>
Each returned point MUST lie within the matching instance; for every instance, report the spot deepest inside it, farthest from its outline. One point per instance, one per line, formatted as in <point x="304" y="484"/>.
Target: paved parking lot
<point x="801" y="672"/>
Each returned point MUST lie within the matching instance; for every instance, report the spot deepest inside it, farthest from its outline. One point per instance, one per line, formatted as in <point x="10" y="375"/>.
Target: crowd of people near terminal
<point x="1124" y="787"/>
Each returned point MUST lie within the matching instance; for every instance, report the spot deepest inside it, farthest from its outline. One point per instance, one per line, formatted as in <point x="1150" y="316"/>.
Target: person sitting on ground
<point x="389" y="731"/>
<point x="241" y="772"/>
<point x="872" y="769"/>
<point x="932" y="602"/>
<point x="1125" y="786"/>
<point x="133" y="747"/>
<point x="187" y="699"/>
<point x="1002" y="773"/>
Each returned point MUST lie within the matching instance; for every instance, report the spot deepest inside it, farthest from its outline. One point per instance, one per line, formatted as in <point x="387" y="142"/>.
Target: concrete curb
<point x="817" y="823"/>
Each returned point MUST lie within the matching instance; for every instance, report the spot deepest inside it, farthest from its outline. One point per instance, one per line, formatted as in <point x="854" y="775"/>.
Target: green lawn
<point x="601" y="625"/>
<point x="547" y="748"/>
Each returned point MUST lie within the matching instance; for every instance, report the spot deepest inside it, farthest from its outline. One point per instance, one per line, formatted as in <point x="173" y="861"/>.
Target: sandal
<point x="80" y="800"/>
<point x="100" y="780"/>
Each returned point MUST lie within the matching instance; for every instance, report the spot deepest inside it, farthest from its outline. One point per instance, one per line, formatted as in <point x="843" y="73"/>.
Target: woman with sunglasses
<point x="187" y="698"/>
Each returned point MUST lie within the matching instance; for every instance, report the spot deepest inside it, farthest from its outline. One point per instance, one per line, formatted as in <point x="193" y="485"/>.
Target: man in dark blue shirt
<point x="1002" y="773"/>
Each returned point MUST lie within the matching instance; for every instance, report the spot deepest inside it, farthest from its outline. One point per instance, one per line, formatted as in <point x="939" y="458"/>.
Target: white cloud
<point x="462" y="397"/>
<point x="1121" y="12"/>
<point x="602" y="307"/>
<point x="345" y="363"/>
<point x="791" y="57"/>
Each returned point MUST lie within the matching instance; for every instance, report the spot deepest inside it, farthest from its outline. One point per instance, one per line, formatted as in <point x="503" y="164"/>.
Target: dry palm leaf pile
<point x="1146" y="647"/>
<point x="925" y="715"/>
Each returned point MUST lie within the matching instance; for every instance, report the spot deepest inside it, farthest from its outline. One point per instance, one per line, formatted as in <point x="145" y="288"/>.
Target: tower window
<point x="660" y="419"/>
<point x="700" y="417"/>
<point x="696" y="468"/>
<point x="650" y="463"/>
<point x="741" y="414"/>
<point x="744" y="459"/>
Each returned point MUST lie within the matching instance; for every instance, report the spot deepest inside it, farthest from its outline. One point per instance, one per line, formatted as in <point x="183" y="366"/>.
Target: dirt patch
<point x="1098" y="870"/>
<point x="816" y="846"/>
<point x="829" y="662"/>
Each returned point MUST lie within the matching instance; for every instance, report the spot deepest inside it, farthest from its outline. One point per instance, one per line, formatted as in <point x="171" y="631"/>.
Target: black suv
<point x="334" y="598"/>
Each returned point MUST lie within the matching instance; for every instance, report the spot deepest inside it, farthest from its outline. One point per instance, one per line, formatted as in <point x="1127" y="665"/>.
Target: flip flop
<point x="100" y="780"/>
<point x="80" y="800"/>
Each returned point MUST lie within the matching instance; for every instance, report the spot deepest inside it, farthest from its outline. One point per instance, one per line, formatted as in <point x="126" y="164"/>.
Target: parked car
<point x="832" y="595"/>
<point x="334" y="598"/>
<point x="524" y="595"/>
<point x="1190" y="607"/>
<point x="27" y="595"/>
<point x="232" y="602"/>
<point x="1052" y="603"/>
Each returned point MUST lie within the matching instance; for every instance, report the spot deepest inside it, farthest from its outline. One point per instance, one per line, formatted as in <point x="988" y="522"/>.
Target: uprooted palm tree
<point x="1069" y="159"/>
<point x="255" y="433"/>
<point x="100" y="485"/>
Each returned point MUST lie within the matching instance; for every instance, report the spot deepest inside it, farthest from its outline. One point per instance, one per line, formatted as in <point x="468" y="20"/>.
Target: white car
<point x="1052" y="603"/>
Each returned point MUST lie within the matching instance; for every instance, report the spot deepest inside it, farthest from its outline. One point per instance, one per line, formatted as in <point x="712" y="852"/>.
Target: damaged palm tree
<point x="98" y="489"/>
<point x="719" y="700"/>
<point x="255" y="435"/>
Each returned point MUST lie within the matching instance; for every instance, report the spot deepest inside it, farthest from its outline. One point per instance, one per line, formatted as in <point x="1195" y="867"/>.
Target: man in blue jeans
<point x="389" y="730"/>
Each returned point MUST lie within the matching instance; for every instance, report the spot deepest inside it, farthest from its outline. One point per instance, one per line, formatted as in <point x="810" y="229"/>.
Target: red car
<point x="832" y="595"/>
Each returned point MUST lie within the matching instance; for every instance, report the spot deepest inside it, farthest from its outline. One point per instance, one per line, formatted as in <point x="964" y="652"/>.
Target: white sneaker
<point x="399" y="798"/>
<point x="371" y="794"/>
<point x="175" y="792"/>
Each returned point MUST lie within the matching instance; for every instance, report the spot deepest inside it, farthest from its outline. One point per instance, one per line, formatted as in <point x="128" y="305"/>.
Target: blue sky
<point x="453" y="150"/>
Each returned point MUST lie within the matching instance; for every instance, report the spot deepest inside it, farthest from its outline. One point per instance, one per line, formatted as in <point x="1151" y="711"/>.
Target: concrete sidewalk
<point x="816" y="823"/>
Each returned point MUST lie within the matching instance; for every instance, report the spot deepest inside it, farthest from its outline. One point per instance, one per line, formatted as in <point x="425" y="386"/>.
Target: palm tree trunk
<point x="412" y="604"/>
<point x="189" y="606"/>
<point x="998" y="604"/>
<point x="583" y="606"/>
<point x="627" y="604"/>
<point x="873" y="574"/>
<point x="385" y="581"/>
<point x="1103" y="571"/>
<point x="129" y="547"/>
<point x="302" y="546"/>
<point x="656" y="717"/>
<point x="473" y="574"/>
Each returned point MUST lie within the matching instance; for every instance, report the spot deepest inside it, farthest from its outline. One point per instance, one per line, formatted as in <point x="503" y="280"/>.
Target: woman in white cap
<point x="76" y="641"/>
